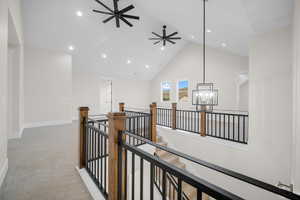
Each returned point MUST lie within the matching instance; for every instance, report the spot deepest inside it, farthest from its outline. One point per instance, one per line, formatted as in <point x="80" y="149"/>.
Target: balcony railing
<point x="226" y="125"/>
<point x="124" y="170"/>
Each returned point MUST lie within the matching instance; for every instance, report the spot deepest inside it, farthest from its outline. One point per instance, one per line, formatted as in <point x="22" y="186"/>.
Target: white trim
<point x="47" y="123"/>
<point x="3" y="171"/>
<point x="90" y="185"/>
<point x="18" y="134"/>
<point x="21" y="132"/>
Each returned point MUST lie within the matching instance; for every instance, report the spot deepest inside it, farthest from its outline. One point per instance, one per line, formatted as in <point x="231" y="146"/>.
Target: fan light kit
<point x="164" y="37"/>
<point x="116" y="13"/>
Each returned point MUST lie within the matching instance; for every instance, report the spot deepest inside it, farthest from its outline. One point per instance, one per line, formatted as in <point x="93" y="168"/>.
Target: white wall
<point x="3" y="87"/>
<point x="48" y="87"/>
<point x="86" y="92"/>
<point x="14" y="122"/>
<point x="92" y="90"/>
<point x="135" y="94"/>
<point x="14" y="7"/>
<point x="296" y="104"/>
<point x="267" y="156"/>
<point x="222" y="68"/>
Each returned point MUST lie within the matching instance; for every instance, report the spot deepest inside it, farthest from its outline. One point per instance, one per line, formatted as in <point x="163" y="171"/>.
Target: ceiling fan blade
<point x="170" y="41"/>
<point x="154" y="39"/>
<point x="175" y="33"/>
<point x="117" y="22"/>
<point x="104" y="5"/>
<point x="157" y="42"/>
<point x="131" y="17"/>
<point x="126" y="9"/>
<point x="156" y="35"/>
<point x="108" y="19"/>
<point x="127" y="22"/>
<point x="116" y="7"/>
<point x="102" y="12"/>
<point x="174" y="38"/>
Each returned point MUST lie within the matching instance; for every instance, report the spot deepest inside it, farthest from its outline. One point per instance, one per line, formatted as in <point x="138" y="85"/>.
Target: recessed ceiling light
<point x="71" y="48"/>
<point x="208" y="30"/>
<point x="192" y="36"/>
<point x="128" y="61"/>
<point x="79" y="13"/>
<point x="147" y="66"/>
<point x="224" y="44"/>
<point x="104" y="55"/>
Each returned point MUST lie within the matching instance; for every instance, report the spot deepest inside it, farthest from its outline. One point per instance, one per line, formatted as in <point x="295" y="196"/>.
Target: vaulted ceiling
<point x="54" y="25"/>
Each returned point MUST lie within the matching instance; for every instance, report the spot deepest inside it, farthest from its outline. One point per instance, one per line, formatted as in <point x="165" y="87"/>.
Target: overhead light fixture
<point x="79" y="13"/>
<point x="147" y="66"/>
<point x="224" y="44"/>
<point x="116" y="13"/>
<point x="104" y="55"/>
<point x="164" y="37"/>
<point x="71" y="48"/>
<point x="205" y="95"/>
<point x="128" y="61"/>
<point x="208" y="30"/>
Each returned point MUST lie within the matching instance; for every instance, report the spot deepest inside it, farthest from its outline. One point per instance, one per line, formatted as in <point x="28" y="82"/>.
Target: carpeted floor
<point x="42" y="166"/>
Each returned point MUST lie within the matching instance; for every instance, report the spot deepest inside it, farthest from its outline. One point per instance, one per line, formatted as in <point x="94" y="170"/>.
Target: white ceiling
<point x="54" y="25"/>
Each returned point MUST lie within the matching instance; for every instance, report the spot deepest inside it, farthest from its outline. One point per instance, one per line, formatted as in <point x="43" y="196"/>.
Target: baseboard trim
<point x="18" y="134"/>
<point x="90" y="185"/>
<point x="47" y="123"/>
<point x="3" y="171"/>
<point x="21" y="132"/>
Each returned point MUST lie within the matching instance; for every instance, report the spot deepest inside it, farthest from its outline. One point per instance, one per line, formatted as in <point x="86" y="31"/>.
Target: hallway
<point x="42" y="166"/>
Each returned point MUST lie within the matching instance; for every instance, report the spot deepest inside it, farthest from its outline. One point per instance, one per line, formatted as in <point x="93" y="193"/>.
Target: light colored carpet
<point x="42" y="166"/>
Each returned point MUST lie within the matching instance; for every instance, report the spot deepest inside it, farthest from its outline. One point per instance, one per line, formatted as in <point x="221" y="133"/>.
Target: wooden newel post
<point x="174" y="108"/>
<point x="203" y="121"/>
<point x="153" y="112"/>
<point x="83" y="117"/>
<point x="116" y="125"/>
<point x="121" y="107"/>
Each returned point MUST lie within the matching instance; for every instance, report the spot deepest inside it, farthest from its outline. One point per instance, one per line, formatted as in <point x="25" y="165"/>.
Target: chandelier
<point x="205" y="95"/>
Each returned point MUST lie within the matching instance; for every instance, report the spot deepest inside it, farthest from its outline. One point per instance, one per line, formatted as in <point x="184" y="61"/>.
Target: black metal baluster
<point x="125" y="175"/>
<point x="151" y="181"/>
<point x="229" y="126"/>
<point x="199" y="194"/>
<point x="215" y="125"/>
<point x="142" y="179"/>
<point x="164" y="185"/>
<point x="244" y="140"/>
<point x="105" y="163"/>
<point x="132" y="176"/>
<point x="102" y="157"/>
<point x="179" y="193"/>
<point x="233" y="127"/>
<point x="239" y="128"/>
<point x="219" y="125"/>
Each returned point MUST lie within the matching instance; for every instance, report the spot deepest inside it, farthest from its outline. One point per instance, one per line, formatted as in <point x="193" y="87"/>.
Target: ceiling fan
<point x="164" y="37"/>
<point x="116" y="13"/>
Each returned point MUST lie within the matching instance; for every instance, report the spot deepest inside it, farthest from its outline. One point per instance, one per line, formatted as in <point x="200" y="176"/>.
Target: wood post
<point x="203" y="121"/>
<point x="174" y="108"/>
<point x="83" y="117"/>
<point x="116" y="125"/>
<point x="121" y="107"/>
<point x="153" y="112"/>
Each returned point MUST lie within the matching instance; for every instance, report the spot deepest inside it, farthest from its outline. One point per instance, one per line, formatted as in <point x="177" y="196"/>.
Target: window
<point x="166" y="91"/>
<point x="183" y="90"/>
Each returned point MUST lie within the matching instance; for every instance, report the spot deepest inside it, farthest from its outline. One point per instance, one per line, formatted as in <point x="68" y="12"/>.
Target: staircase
<point x="189" y="192"/>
